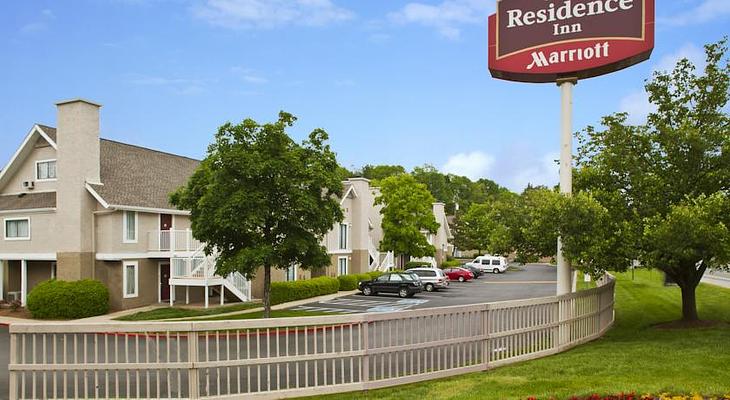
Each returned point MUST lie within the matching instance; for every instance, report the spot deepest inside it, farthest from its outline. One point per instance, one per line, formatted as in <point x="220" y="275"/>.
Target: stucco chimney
<point x="78" y="162"/>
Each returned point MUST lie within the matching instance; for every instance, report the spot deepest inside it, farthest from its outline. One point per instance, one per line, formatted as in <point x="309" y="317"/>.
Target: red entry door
<point x="165" y="282"/>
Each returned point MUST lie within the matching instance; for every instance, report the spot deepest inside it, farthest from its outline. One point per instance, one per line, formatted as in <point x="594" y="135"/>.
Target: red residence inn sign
<point x="546" y="40"/>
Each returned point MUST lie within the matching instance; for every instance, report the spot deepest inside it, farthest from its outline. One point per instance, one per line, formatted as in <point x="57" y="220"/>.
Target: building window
<point x="343" y="236"/>
<point x="54" y="270"/>
<point x="130" y="279"/>
<point x="17" y="229"/>
<point x="45" y="170"/>
<point x="291" y="273"/>
<point x="342" y="266"/>
<point x="130" y="227"/>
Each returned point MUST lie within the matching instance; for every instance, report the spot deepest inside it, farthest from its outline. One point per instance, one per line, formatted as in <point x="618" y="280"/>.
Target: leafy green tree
<point x="494" y="226"/>
<point x="539" y="214"/>
<point x="475" y="227"/>
<point x="436" y="182"/>
<point x="662" y="184"/>
<point x="260" y="199"/>
<point x="379" y="172"/>
<point x="407" y="214"/>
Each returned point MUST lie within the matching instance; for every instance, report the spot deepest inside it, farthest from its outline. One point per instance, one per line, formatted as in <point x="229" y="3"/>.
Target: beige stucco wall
<point x="109" y="230"/>
<point x="147" y="292"/>
<point x="26" y="171"/>
<point x="43" y="234"/>
<point x="181" y="222"/>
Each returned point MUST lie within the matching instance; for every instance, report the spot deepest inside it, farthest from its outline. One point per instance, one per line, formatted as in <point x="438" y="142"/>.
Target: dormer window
<point x="45" y="170"/>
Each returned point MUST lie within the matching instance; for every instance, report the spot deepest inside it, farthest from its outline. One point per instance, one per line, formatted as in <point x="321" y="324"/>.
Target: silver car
<point x="431" y="278"/>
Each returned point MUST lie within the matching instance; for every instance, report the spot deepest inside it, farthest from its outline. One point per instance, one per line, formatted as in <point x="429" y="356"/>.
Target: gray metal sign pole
<point x="566" y="172"/>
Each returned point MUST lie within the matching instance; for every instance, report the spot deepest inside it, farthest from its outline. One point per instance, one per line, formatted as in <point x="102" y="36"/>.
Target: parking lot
<point x="522" y="282"/>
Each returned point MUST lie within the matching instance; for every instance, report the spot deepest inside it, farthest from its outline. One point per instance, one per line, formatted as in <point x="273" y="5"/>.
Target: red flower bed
<point x="634" y="396"/>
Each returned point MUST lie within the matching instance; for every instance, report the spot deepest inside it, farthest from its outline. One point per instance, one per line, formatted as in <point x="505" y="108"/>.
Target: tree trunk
<point x="267" y="291"/>
<point x="689" y="302"/>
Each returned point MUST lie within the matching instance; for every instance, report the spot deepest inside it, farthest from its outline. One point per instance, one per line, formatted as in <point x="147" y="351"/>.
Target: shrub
<point x="374" y="274"/>
<point x="365" y="277"/>
<point x="347" y="282"/>
<point x="416" y="264"/>
<point x="450" y="263"/>
<point x="283" y="292"/>
<point x="54" y="299"/>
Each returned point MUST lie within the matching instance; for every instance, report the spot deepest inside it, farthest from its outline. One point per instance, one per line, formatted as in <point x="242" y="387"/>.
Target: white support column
<point x="2" y="279"/>
<point x="207" y="293"/>
<point x="187" y="294"/>
<point x="172" y="295"/>
<point x="223" y="294"/>
<point x="566" y="172"/>
<point x="23" y="281"/>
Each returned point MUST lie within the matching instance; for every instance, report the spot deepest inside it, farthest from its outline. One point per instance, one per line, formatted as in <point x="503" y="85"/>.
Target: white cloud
<point x="249" y="75"/>
<point x="543" y="171"/>
<point x="250" y="14"/>
<point x="446" y="17"/>
<point x="689" y="51"/>
<point x="40" y="24"/>
<point x="473" y="165"/>
<point x="707" y="11"/>
<point x="181" y="86"/>
<point x="637" y="105"/>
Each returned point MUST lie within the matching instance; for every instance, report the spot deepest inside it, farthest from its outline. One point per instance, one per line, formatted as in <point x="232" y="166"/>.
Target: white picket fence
<point x="290" y="357"/>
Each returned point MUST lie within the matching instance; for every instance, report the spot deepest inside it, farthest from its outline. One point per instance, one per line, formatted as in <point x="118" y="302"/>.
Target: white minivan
<point x="489" y="263"/>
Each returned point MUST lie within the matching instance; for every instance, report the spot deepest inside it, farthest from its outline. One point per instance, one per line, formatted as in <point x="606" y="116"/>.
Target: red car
<point x="459" y="274"/>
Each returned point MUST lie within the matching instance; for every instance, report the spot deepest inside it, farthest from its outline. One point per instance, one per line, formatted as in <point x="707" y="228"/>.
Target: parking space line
<point x="325" y="309"/>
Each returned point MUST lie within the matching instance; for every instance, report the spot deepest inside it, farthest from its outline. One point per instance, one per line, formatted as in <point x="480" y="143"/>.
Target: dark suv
<point x="402" y="284"/>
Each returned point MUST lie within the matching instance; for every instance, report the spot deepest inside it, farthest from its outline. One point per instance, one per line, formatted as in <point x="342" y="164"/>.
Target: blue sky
<point x="391" y="81"/>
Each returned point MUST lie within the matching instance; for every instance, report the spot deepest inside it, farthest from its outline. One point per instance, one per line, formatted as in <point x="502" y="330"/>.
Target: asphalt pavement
<point x="521" y="282"/>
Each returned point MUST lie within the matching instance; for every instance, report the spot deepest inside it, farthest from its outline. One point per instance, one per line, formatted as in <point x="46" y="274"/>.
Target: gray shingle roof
<point x="28" y="201"/>
<point x="140" y="177"/>
<point x="50" y="131"/>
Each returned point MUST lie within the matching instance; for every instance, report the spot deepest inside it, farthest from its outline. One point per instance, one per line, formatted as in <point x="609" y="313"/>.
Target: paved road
<point x="530" y="281"/>
<point x="717" y="278"/>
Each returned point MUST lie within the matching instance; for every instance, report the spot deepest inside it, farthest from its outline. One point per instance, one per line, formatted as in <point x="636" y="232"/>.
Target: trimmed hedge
<point x="450" y="263"/>
<point x="348" y="282"/>
<point x="416" y="264"/>
<point x="374" y="274"/>
<point x="54" y="299"/>
<point x="283" y="292"/>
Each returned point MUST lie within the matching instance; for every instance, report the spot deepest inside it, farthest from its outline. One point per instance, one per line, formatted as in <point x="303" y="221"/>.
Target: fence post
<point x="193" y="382"/>
<point x="600" y="312"/>
<point x="13" y="359"/>
<point x="365" y="361"/>
<point x="485" y="328"/>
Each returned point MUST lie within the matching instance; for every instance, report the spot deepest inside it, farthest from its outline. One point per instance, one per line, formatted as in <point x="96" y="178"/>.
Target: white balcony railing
<point x="173" y="240"/>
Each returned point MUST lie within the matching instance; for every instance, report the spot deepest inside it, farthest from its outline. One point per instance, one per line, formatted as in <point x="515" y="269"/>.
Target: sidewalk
<point x="721" y="279"/>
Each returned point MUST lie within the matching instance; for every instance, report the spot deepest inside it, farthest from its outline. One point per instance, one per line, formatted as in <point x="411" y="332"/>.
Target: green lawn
<point x="182" y="312"/>
<point x="632" y="356"/>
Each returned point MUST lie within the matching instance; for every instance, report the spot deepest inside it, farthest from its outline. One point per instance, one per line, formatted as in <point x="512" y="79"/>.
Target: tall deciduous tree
<point x="378" y="172"/>
<point x="657" y="190"/>
<point x="407" y="215"/>
<point x="260" y="199"/>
